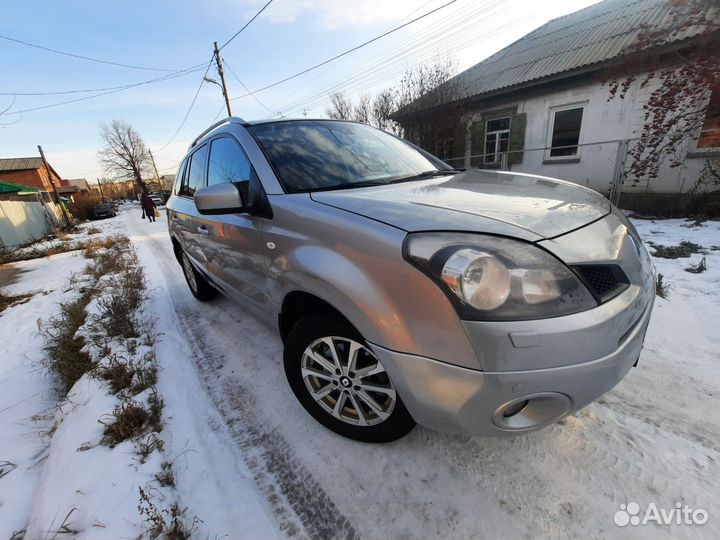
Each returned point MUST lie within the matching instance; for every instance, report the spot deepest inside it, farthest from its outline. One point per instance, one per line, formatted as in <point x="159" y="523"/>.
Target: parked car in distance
<point x="476" y="302"/>
<point x="104" y="210"/>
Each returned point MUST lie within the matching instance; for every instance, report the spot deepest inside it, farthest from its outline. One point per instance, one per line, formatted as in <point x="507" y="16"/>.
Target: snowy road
<point x="649" y="440"/>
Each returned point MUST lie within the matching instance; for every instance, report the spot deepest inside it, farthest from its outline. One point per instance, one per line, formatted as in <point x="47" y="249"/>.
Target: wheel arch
<point x="297" y="303"/>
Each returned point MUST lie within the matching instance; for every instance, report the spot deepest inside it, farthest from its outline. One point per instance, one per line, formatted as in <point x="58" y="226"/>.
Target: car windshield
<point x="320" y="155"/>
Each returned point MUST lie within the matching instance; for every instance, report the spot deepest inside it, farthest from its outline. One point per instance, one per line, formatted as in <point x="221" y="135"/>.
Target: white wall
<point x="25" y="221"/>
<point x="604" y="122"/>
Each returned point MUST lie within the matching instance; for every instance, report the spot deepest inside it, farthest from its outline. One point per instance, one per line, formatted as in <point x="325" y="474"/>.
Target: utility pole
<point x="157" y="175"/>
<point x="102" y="195"/>
<point x="218" y="61"/>
<point x="68" y="223"/>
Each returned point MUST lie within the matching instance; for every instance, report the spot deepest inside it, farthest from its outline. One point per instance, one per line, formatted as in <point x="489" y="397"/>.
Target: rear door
<point x="234" y="245"/>
<point x="189" y="225"/>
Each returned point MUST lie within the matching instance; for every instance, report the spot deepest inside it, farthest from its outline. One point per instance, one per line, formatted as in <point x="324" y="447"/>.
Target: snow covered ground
<point x="251" y="463"/>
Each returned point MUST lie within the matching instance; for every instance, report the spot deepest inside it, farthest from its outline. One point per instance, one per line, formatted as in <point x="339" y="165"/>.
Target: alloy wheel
<point x="189" y="272"/>
<point x="348" y="381"/>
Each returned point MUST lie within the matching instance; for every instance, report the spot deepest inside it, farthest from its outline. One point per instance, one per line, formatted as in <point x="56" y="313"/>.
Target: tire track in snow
<point x="281" y="477"/>
<point x="301" y="505"/>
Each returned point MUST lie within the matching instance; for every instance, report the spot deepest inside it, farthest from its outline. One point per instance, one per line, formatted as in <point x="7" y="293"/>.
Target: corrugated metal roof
<point x="590" y="36"/>
<point x="20" y="164"/>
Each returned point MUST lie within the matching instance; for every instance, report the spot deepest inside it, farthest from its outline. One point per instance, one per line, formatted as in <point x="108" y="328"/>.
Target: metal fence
<point x="601" y="166"/>
<point x="25" y="221"/>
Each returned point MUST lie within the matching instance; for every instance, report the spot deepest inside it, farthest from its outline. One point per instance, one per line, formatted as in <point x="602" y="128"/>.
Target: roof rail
<point x="228" y="120"/>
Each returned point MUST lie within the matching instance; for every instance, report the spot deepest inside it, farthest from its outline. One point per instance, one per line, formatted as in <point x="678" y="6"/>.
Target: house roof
<point x="20" y="164"/>
<point x="23" y="164"/>
<point x="10" y="187"/>
<point x="588" y="37"/>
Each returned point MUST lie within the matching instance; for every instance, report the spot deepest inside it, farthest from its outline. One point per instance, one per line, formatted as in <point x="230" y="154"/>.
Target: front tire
<point x="342" y="384"/>
<point x="199" y="286"/>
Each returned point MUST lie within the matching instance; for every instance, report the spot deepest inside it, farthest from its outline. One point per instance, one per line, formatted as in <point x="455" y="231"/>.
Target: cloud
<point x="334" y="14"/>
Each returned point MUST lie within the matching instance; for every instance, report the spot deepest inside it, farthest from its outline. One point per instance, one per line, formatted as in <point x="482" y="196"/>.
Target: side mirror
<point x="223" y="198"/>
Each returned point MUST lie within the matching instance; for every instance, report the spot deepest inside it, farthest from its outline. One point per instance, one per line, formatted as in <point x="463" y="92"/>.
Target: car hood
<point x="524" y="206"/>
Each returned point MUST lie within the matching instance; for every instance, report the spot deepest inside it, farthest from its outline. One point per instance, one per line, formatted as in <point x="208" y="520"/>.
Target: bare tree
<point x="361" y="110"/>
<point x="680" y="57"/>
<point x="383" y="106"/>
<point x="427" y="112"/>
<point x="340" y="108"/>
<point x="125" y="156"/>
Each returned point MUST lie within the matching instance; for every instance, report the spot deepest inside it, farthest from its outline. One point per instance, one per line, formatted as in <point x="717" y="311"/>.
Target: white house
<point x="541" y="106"/>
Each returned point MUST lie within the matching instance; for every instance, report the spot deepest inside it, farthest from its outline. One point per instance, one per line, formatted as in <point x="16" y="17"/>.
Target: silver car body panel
<point x="345" y="248"/>
<point x="518" y="205"/>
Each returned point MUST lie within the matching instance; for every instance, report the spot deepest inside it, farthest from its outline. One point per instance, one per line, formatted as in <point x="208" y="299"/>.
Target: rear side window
<point x="228" y="162"/>
<point x="179" y="179"/>
<point x="195" y="176"/>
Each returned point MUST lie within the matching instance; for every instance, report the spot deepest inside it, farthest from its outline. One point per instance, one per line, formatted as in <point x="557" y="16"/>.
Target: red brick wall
<point x="32" y="177"/>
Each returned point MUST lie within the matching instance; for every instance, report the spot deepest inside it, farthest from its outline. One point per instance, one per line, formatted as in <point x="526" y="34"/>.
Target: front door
<point x="192" y="227"/>
<point x="233" y="245"/>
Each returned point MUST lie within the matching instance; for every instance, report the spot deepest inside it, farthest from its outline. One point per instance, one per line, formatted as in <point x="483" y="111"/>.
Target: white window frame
<point x="551" y="128"/>
<point x="498" y="154"/>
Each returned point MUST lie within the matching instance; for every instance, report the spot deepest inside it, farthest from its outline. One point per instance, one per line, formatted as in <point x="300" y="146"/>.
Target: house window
<point x="497" y="137"/>
<point x="710" y="134"/>
<point x="565" y="135"/>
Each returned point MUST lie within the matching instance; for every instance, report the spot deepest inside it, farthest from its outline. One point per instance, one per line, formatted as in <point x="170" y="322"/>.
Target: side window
<point x="179" y="178"/>
<point x="228" y="162"/>
<point x="194" y="177"/>
<point x="566" y="132"/>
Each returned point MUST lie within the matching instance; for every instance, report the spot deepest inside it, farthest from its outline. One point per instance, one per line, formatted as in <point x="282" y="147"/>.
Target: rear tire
<point x="342" y="384"/>
<point x="199" y="286"/>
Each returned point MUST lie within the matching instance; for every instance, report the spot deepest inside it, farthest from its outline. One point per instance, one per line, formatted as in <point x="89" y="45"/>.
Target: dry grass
<point x="129" y="420"/>
<point x="8" y="301"/>
<point x="27" y="253"/>
<point x="697" y="268"/>
<point x="166" y="476"/>
<point x="126" y="376"/>
<point x="169" y="523"/>
<point x="662" y="288"/>
<point x="65" y="357"/>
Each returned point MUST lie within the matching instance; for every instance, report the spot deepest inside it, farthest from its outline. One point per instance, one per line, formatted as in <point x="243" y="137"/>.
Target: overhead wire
<point x="236" y="34"/>
<point x="190" y="108"/>
<point x="252" y="94"/>
<point x="52" y="105"/>
<point x="82" y="57"/>
<point x="345" y="53"/>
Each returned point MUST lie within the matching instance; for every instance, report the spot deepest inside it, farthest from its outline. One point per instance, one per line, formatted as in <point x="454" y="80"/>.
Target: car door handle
<point x="203" y="230"/>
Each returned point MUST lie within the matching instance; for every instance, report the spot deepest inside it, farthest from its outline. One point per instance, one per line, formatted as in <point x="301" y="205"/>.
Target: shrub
<point x="685" y="249"/>
<point x="65" y="357"/>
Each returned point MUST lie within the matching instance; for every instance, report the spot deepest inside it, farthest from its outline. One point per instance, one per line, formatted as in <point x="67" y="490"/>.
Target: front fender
<point x="338" y="281"/>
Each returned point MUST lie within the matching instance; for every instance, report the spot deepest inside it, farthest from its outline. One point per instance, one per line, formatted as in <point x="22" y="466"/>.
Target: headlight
<point x="493" y="278"/>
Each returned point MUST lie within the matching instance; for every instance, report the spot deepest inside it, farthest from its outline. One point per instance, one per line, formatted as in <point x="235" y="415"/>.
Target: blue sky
<point x="288" y="37"/>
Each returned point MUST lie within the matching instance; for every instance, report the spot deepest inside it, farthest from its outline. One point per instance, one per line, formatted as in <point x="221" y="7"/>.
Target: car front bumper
<point x="455" y="399"/>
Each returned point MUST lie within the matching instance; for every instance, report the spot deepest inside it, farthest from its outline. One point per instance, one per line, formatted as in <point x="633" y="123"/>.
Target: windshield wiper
<point x="424" y="175"/>
<point x="349" y="185"/>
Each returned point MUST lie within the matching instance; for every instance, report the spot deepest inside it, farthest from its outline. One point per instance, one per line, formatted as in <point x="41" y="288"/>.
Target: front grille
<point x="603" y="280"/>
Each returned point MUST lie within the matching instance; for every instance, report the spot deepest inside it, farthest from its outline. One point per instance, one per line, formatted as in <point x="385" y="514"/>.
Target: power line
<point x="120" y="89"/>
<point x="190" y="108"/>
<point x="232" y="71"/>
<point x="81" y="57"/>
<point x="86" y="90"/>
<point x="368" y="42"/>
<point x="246" y="24"/>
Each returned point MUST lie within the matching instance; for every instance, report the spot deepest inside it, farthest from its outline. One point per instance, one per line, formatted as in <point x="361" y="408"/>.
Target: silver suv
<point x="476" y="302"/>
